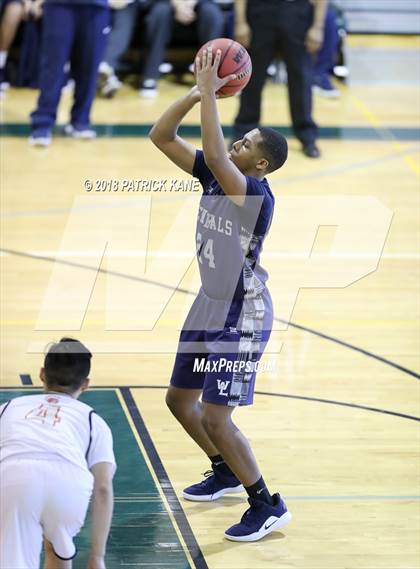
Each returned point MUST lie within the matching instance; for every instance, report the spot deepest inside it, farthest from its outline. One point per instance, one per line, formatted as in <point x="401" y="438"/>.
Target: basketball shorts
<point x="40" y="498"/>
<point x="220" y="347"/>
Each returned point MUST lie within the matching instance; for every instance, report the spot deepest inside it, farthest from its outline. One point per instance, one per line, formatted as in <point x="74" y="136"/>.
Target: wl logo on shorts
<point x="222" y="386"/>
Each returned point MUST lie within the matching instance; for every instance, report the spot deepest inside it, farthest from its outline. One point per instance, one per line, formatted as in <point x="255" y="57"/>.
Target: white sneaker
<point x="69" y="86"/>
<point x="165" y="67"/>
<point x="108" y="83"/>
<point x="105" y="68"/>
<point x="41" y="141"/>
<point x="110" y="86"/>
<point x="82" y="134"/>
<point x="341" y="71"/>
<point x="149" y="89"/>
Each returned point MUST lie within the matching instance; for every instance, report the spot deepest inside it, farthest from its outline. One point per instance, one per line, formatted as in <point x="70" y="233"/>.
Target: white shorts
<point x="40" y="498"/>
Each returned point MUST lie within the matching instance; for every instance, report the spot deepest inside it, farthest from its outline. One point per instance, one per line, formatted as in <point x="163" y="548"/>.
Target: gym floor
<point x="335" y="422"/>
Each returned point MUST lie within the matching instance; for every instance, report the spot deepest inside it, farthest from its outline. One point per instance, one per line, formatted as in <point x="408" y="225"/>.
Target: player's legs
<point x="189" y="411"/>
<point x="20" y="507"/>
<point x="57" y="39"/>
<point x="187" y="408"/>
<point x="64" y="512"/>
<point x="88" y="50"/>
<point x="232" y="444"/>
<point x="183" y="399"/>
<point x="267" y="512"/>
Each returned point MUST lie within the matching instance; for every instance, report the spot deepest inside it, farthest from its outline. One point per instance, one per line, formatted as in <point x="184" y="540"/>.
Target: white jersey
<point x="54" y="426"/>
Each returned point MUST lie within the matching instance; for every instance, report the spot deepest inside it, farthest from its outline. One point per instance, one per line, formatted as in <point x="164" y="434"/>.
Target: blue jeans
<point x="75" y="33"/>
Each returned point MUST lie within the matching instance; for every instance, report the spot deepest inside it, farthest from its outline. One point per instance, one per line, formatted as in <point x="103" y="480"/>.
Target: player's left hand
<point x="206" y="72"/>
<point x="314" y="39"/>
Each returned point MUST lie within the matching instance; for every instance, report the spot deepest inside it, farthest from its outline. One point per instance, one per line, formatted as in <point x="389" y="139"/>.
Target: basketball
<point x="234" y="59"/>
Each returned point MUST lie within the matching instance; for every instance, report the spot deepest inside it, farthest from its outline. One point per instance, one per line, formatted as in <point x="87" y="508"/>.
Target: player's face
<point x="245" y="153"/>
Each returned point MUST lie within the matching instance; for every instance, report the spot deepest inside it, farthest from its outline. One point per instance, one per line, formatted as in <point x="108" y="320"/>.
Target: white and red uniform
<point x="48" y="444"/>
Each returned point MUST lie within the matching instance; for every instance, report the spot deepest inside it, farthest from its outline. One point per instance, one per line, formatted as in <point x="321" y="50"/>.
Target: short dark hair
<point x="274" y="148"/>
<point x="67" y="364"/>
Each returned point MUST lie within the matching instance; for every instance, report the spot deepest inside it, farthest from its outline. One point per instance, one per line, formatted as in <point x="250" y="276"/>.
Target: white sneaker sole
<point x="42" y="142"/>
<point x="263" y="531"/>
<point x="148" y="93"/>
<point x="84" y="135"/>
<point x="327" y="94"/>
<point x="87" y="134"/>
<point x="212" y="497"/>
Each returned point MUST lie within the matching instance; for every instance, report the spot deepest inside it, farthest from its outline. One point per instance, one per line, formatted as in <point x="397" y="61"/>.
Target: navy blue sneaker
<point x="212" y="487"/>
<point x="259" y="520"/>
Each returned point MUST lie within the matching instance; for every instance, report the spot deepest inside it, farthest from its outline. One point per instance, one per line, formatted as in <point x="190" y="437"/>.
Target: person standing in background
<point x="296" y="27"/>
<point x="75" y="31"/>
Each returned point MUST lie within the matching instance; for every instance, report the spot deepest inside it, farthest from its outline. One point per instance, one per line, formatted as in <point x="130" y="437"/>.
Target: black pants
<point x="160" y="23"/>
<point x="279" y="25"/>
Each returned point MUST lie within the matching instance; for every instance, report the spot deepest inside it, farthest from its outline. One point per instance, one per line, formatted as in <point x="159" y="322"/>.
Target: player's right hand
<point x="96" y="562"/>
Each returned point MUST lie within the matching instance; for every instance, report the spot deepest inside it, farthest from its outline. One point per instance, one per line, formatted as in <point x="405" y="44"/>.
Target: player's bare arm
<point x="102" y="506"/>
<point x="164" y="133"/>
<point x="226" y="173"/>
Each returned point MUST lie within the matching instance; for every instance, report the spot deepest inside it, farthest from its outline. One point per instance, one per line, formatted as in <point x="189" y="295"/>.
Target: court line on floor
<point x="269" y="394"/>
<point x="192" y="293"/>
<point x="25" y="378"/>
<point x="165" y="483"/>
<point x="384" y="132"/>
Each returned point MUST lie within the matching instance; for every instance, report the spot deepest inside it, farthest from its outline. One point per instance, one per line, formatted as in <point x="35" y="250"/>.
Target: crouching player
<point x="55" y="452"/>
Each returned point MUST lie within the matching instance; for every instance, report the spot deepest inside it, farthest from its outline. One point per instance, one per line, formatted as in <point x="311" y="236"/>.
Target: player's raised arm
<point x="164" y="132"/>
<point x="231" y="179"/>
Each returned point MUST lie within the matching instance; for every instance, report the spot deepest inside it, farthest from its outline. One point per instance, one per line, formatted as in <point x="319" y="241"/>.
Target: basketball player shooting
<point x="230" y="321"/>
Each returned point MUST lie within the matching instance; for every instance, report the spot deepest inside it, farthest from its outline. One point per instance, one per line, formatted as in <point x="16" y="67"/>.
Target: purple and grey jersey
<point x="231" y="318"/>
<point x="229" y="238"/>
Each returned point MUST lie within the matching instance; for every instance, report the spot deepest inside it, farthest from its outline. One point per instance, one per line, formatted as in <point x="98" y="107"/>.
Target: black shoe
<point x="311" y="150"/>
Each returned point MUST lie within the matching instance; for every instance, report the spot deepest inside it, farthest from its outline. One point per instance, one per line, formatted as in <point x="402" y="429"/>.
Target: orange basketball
<point x="234" y="59"/>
